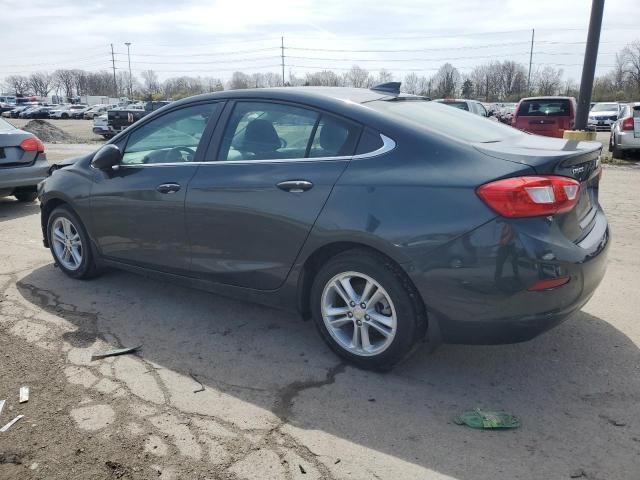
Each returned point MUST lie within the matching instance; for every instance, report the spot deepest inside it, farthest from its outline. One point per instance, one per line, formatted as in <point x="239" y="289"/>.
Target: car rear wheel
<point x="69" y="244"/>
<point x="366" y="309"/>
<point x="616" y="151"/>
<point x="25" y="195"/>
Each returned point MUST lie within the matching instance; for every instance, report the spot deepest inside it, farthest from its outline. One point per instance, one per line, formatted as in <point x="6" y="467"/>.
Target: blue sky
<point x="214" y="38"/>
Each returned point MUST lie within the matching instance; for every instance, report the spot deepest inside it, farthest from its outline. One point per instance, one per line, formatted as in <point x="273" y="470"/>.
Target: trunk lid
<point x="568" y="158"/>
<point x="11" y="155"/>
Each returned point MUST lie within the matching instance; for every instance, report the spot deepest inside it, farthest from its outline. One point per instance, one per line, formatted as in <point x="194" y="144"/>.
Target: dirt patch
<point x="47" y="132"/>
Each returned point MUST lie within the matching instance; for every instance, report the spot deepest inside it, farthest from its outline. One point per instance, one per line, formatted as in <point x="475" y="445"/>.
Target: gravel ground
<point x="277" y="404"/>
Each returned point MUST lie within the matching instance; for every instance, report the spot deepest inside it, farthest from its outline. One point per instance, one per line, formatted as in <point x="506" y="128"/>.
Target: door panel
<point x="244" y="229"/>
<point x="134" y="222"/>
<point x="138" y="208"/>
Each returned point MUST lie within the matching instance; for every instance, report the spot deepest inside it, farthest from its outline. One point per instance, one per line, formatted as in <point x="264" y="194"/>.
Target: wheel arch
<point x="46" y="209"/>
<point x="313" y="263"/>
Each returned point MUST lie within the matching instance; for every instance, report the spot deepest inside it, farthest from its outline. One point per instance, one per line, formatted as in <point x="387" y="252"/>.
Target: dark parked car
<point x="23" y="163"/>
<point x="386" y="218"/>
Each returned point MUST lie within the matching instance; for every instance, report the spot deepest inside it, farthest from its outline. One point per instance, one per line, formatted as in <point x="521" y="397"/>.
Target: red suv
<point x="548" y="116"/>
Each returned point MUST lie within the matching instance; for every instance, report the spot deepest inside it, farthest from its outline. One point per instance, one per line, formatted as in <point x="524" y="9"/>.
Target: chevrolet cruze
<point x="386" y="218"/>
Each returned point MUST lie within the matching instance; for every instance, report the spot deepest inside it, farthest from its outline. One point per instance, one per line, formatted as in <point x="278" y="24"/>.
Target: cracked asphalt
<point x="277" y="404"/>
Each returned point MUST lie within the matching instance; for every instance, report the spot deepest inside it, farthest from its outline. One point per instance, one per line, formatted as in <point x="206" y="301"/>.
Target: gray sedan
<point x="625" y="132"/>
<point x="23" y="163"/>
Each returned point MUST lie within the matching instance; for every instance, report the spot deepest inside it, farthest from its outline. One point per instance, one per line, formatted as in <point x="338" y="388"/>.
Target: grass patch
<point x="608" y="159"/>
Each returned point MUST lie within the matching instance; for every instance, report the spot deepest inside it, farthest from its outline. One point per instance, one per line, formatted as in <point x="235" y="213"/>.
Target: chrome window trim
<point x="387" y="145"/>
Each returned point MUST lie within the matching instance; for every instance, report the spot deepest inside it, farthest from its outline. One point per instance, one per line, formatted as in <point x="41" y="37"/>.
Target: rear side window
<point x="370" y="141"/>
<point x="263" y="131"/>
<point x="334" y="137"/>
<point x="545" y="108"/>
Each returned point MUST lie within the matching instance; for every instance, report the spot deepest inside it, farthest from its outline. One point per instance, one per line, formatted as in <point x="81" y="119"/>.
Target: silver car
<point x="23" y="163"/>
<point x="602" y="115"/>
<point x="625" y="133"/>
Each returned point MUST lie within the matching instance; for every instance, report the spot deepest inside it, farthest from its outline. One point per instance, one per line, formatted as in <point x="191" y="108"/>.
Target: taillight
<point x="32" y="145"/>
<point x="627" y="123"/>
<point x="531" y="196"/>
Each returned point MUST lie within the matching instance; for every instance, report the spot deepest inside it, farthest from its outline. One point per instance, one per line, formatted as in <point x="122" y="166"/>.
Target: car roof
<point x="550" y="97"/>
<point x="344" y="94"/>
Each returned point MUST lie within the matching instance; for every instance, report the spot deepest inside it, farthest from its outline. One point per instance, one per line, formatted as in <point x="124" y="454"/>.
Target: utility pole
<point x="282" y="57"/>
<point x="113" y="62"/>
<point x="589" y="66"/>
<point x="128" y="44"/>
<point x="533" y="32"/>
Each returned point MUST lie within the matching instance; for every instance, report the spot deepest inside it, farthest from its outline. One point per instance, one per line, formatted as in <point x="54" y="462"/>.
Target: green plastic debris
<point x="484" y="419"/>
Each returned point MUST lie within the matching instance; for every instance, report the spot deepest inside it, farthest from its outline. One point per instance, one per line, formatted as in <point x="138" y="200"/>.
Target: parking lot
<point x="223" y="389"/>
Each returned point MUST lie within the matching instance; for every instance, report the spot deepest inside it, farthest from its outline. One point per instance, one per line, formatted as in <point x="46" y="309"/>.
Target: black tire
<point x="410" y="322"/>
<point x="88" y="268"/>
<point x="26" y="195"/>
<point x="617" y="152"/>
<point x="64" y="116"/>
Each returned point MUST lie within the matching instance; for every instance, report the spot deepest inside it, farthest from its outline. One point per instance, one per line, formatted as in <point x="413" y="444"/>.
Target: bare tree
<point x="410" y="83"/>
<point x="41" y="83"/>
<point x="358" y="77"/>
<point x="631" y="57"/>
<point x="273" y="79"/>
<point x="384" y="76"/>
<point x="18" y="84"/>
<point x="447" y="80"/>
<point x="65" y="81"/>
<point x="151" y="84"/>
<point x="548" y="80"/>
<point x="325" y="78"/>
<point x="239" y="80"/>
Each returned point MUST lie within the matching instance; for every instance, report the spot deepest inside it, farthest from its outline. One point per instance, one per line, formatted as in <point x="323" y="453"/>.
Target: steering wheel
<point x="177" y="153"/>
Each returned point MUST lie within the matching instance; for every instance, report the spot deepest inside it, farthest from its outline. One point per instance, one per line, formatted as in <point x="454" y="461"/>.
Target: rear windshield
<point x="449" y="121"/>
<point x="460" y="105"/>
<point x="545" y="108"/>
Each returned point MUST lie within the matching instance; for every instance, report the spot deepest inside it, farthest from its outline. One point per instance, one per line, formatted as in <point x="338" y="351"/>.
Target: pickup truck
<point x="121" y="118"/>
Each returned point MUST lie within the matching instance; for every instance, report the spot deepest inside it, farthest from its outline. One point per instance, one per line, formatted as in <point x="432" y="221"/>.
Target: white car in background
<point x="602" y="115"/>
<point x="66" y="111"/>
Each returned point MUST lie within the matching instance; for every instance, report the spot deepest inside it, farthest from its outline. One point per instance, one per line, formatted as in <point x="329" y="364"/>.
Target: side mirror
<point x="491" y="113"/>
<point x="107" y="157"/>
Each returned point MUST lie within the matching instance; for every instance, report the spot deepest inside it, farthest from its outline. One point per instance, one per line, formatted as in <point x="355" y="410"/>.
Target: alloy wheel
<point x="359" y="314"/>
<point x="67" y="244"/>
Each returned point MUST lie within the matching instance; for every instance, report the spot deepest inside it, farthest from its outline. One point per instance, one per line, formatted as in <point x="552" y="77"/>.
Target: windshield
<point x="605" y="107"/>
<point x="437" y="117"/>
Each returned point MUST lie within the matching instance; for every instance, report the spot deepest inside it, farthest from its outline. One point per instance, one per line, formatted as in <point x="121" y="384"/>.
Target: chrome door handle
<point x="168" y="187"/>
<point x="295" y="186"/>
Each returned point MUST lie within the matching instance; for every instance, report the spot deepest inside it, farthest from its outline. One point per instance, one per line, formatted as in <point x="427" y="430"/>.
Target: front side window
<point x="173" y="137"/>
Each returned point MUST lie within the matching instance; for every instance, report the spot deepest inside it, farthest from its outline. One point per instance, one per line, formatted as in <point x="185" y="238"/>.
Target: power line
<point x="237" y="52"/>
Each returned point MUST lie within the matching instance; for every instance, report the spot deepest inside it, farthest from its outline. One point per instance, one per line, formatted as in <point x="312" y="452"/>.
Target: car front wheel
<point x="69" y="244"/>
<point x="366" y="309"/>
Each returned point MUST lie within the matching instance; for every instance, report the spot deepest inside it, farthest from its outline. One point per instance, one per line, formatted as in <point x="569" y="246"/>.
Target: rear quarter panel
<point x="411" y="200"/>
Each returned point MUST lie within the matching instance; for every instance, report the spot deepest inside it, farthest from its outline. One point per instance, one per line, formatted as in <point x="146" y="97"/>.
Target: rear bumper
<point x="476" y="291"/>
<point x="626" y="141"/>
<point x="28" y="176"/>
